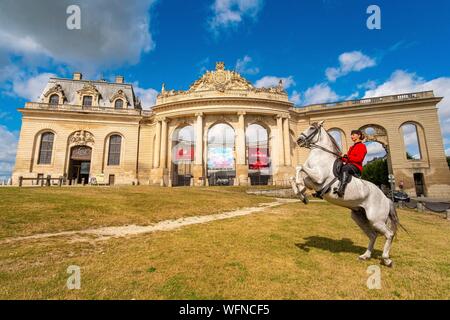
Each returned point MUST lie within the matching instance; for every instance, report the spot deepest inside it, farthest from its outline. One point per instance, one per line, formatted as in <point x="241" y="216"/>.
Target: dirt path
<point x="106" y="233"/>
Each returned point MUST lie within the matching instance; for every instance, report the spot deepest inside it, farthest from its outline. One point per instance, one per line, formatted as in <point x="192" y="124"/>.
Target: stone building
<point x="221" y="131"/>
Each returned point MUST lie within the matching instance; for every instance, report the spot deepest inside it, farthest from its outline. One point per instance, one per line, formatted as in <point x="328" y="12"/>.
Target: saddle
<point x="337" y="169"/>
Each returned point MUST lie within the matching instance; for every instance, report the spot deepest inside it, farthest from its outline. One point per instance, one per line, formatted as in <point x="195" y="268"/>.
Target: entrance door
<point x="182" y="174"/>
<point x="80" y="164"/>
<point x="419" y="183"/>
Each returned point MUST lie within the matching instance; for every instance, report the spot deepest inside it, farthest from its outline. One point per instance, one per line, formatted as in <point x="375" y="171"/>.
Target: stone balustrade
<point x="371" y="101"/>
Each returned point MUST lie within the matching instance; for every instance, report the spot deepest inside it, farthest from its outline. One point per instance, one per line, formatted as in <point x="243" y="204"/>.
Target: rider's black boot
<point x="345" y="177"/>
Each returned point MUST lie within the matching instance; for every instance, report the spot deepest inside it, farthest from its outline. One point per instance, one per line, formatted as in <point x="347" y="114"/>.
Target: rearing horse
<point x="372" y="211"/>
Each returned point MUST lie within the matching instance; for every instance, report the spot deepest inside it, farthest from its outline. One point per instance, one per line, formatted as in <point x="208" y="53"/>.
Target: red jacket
<point x="356" y="155"/>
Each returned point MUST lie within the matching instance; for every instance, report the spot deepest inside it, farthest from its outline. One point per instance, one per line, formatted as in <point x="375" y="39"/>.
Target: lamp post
<point x="392" y="183"/>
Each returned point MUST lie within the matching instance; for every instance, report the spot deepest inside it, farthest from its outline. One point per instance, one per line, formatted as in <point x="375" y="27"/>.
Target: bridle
<point x="306" y="141"/>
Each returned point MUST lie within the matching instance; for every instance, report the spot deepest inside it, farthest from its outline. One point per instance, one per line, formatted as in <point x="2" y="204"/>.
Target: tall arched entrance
<point x="259" y="164"/>
<point x="80" y="164"/>
<point x="377" y="165"/>
<point x="183" y="150"/>
<point x="221" y="169"/>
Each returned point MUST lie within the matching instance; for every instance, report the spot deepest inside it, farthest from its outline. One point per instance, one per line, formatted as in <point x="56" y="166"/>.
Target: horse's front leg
<point x="314" y="174"/>
<point x="298" y="185"/>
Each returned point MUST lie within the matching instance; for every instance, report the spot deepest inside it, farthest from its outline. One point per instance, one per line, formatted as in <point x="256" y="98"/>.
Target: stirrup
<point x="317" y="195"/>
<point x="336" y="191"/>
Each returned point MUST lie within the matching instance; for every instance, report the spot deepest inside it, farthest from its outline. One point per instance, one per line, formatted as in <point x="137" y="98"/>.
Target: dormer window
<point x="118" y="104"/>
<point x="54" y="95"/>
<point x="87" y="101"/>
<point x="54" y="100"/>
<point x="88" y="96"/>
<point x="119" y="100"/>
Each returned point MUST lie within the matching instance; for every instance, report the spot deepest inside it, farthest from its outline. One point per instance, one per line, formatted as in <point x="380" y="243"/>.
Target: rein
<point x="307" y="143"/>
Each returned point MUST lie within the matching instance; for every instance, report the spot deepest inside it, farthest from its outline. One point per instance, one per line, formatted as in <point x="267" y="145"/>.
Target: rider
<point x="353" y="161"/>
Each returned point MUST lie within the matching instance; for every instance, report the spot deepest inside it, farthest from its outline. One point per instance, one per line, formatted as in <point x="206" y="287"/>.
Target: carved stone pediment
<point x="119" y="94"/>
<point x="89" y="89"/>
<point x="81" y="138"/>
<point x="222" y="80"/>
<point x="56" y="89"/>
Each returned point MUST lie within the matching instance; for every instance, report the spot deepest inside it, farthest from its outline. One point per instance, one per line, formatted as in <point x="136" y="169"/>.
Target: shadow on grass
<point x="333" y="245"/>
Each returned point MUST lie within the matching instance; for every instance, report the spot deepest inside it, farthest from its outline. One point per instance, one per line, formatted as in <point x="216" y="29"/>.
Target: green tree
<point x="376" y="172"/>
<point x="448" y="161"/>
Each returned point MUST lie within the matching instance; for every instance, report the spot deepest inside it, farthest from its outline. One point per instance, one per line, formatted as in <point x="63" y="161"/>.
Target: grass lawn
<point x="27" y="211"/>
<point x="287" y="252"/>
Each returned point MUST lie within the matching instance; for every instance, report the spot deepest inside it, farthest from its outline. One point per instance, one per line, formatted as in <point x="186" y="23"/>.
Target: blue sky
<point x="322" y="49"/>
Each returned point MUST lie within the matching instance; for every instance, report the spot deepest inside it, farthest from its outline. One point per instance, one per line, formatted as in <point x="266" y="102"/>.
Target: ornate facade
<point x="221" y="131"/>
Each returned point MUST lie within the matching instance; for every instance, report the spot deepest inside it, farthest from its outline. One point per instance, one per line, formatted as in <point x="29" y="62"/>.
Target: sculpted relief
<point x="81" y="138"/>
<point x="222" y="80"/>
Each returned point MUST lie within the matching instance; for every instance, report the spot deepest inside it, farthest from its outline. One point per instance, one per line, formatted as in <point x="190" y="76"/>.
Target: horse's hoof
<point x="305" y="200"/>
<point x="364" y="257"/>
<point x="387" y="262"/>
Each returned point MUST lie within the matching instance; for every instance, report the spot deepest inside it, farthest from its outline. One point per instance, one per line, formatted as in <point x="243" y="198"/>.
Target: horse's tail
<point x="394" y="219"/>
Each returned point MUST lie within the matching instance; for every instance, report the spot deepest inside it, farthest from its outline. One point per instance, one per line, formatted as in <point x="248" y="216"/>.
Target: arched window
<point x="87" y="101"/>
<point x="118" y="104"/>
<point x="46" y="148"/>
<point x="183" y="150"/>
<point x="54" y="100"/>
<point x="411" y="141"/>
<point x="257" y="140"/>
<point x="221" y="166"/>
<point x="115" y="143"/>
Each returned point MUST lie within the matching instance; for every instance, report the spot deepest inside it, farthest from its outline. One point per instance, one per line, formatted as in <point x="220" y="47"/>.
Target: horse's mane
<point x="333" y="141"/>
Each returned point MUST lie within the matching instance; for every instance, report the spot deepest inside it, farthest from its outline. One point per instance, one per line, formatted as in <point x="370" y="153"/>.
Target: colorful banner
<point x="220" y="158"/>
<point x="183" y="153"/>
<point x="258" y="158"/>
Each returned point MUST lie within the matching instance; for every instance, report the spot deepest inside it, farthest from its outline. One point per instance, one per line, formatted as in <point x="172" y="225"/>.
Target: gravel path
<point x="106" y="233"/>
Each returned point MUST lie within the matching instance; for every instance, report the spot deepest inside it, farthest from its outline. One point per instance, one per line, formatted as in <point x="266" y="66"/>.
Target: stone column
<point x="199" y="139"/>
<point x="241" y="163"/>
<point x="163" y="155"/>
<point x="287" y="142"/>
<point x="162" y="171"/>
<point x="280" y="141"/>
<point x="240" y="139"/>
<point x="157" y="144"/>
<point x="198" y="159"/>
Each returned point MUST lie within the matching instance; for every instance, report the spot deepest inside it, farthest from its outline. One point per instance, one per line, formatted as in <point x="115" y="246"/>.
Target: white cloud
<point x="320" y="93"/>
<point x="203" y="65"/>
<point x="31" y="88"/>
<point x="368" y="85"/>
<point x="404" y="82"/>
<point x="295" y="98"/>
<point x="354" y="61"/>
<point x="8" y="146"/>
<point x="272" y="81"/>
<point x="147" y="96"/>
<point x="353" y="96"/>
<point x="110" y="33"/>
<point x="242" y="66"/>
<point x="374" y="150"/>
<point x="230" y="13"/>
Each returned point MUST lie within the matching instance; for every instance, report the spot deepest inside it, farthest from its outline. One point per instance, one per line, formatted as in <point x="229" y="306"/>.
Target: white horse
<point x="373" y="212"/>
